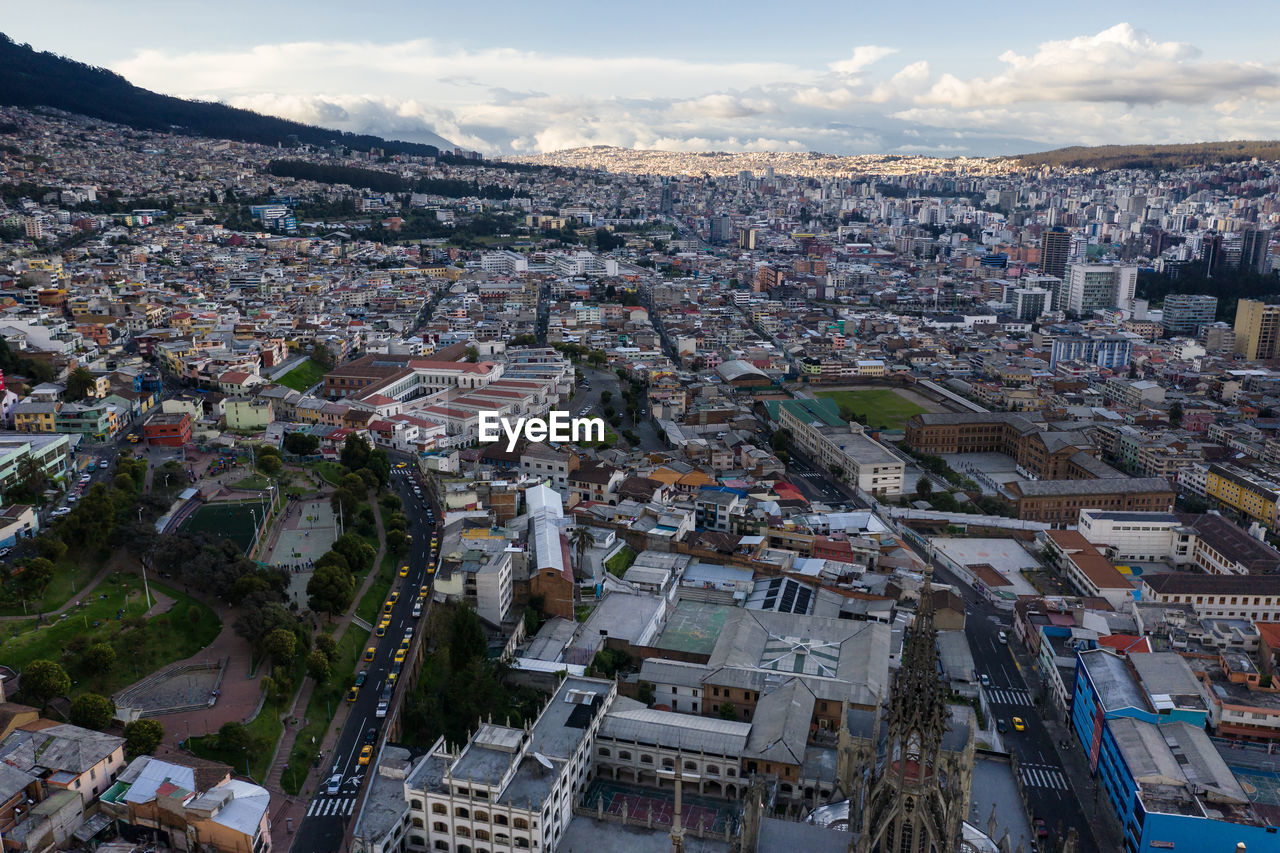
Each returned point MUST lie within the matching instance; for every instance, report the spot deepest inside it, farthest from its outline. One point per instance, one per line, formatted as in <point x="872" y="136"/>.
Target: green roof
<point x="822" y="409"/>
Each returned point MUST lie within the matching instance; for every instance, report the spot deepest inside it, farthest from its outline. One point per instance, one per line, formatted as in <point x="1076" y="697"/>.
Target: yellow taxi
<point x="381" y="630"/>
<point x="368" y="654"/>
<point x="352" y="694"/>
<point x="365" y="755"/>
<point x="402" y="465"/>
<point x="400" y="653"/>
<point x="424" y="591"/>
<point x="404" y="571"/>
<point x="1018" y="724"/>
<point x="405" y="641"/>
<point x="391" y="678"/>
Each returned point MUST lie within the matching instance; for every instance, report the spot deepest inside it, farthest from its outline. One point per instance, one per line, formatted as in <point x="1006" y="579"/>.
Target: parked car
<point x="334" y="785"/>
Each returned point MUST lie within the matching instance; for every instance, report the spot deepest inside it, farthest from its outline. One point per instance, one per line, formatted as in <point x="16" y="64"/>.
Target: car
<point x="402" y="465"/>
<point x="382" y="709"/>
<point x="72" y="498"/>
<point x="424" y="590"/>
<point x="1042" y="828"/>
<point x="1019" y="725"/>
<point x="381" y="630"/>
<point x="404" y="643"/>
<point x="84" y="478"/>
<point x="371" y="734"/>
<point x="1002" y="726"/>
<point x="400" y="653"/>
<point x="1004" y="638"/>
<point x="334" y="784"/>
<point x="60" y="512"/>
<point x="366" y="753"/>
<point x="986" y="681"/>
<point x="392" y="676"/>
<point x="404" y="571"/>
<point x="352" y="694"/>
<point x="393" y="597"/>
<point x="369" y="653"/>
<point x="360" y="677"/>
<point x="417" y="610"/>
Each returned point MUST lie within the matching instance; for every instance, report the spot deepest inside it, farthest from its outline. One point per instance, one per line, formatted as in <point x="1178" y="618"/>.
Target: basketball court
<point x="639" y="804"/>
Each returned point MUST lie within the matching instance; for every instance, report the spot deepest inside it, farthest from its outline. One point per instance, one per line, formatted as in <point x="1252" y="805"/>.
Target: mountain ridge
<point x="31" y="78"/>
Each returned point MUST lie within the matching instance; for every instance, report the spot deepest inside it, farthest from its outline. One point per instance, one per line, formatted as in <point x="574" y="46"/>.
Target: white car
<point x="60" y="512"/>
<point x="334" y="785"/>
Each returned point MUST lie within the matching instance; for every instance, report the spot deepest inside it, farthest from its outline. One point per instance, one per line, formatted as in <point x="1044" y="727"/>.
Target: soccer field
<point x="235" y="521"/>
<point x="875" y="407"/>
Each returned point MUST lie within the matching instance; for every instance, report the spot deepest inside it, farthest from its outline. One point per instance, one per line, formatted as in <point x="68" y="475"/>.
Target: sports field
<point x="875" y="407"/>
<point x="235" y="521"/>
<point x="637" y="803"/>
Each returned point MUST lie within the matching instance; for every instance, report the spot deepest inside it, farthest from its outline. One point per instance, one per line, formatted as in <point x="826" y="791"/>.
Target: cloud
<point x="1120" y="64"/>
<point x="1117" y="85"/>
<point x="863" y="56"/>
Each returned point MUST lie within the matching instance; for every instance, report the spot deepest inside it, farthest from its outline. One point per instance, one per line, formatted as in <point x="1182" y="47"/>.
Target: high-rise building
<point x="1055" y="245"/>
<point x="1110" y="351"/>
<point x="1254" y="244"/>
<point x="1186" y="312"/>
<point x="747" y="238"/>
<point x="721" y="228"/>
<point x="1257" y="329"/>
<point x="1031" y="302"/>
<point x="1093" y="286"/>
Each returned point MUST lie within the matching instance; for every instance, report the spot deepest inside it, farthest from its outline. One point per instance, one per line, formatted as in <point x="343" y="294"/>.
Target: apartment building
<point x="510" y="787"/>
<point x="1059" y="502"/>
<point x="816" y="427"/>
<point x="1254" y="597"/>
<point x="1257" y="330"/>
<point x="1253" y="496"/>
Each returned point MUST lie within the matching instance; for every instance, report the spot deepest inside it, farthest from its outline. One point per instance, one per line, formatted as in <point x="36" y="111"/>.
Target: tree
<point x="31" y="477"/>
<point x="582" y="540"/>
<point x="98" y="658"/>
<point x="79" y="383"/>
<point x="466" y="639"/>
<point x="34" y="577"/>
<point x="51" y="548"/>
<point x="233" y="737"/>
<point x="330" y="589"/>
<point x="646" y="692"/>
<point x="727" y="711"/>
<point x="43" y="680"/>
<point x="1175" y="414"/>
<point x="92" y="711"/>
<point x="397" y="541"/>
<point x="473" y="355"/>
<point x="280" y="645"/>
<point x="355" y="453"/>
<point x="780" y="439"/>
<point x="318" y="666"/>
<point x="141" y="737"/>
<point x="924" y="487"/>
<point x="323" y="356"/>
<point x="270" y="465"/>
<point x="327" y="646"/>
<point x="301" y="443"/>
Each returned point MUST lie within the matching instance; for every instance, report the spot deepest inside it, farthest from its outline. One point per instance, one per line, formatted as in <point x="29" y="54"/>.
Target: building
<point x="1158" y="770"/>
<point x="245" y="414"/>
<point x="1111" y="352"/>
<point x="1254" y="597"/>
<point x="1059" y="502"/>
<point x="816" y="428"/>
<point x="1254" y="247"/>
<point x="550" y="569"/>
<point x="1039" y="453"/>
<point x="908" y="793"/>
<point x="1257" y="329"/>
<point x="1093" y="286"/>
<point x="510" y="787"/>
<point x="1087" y="569"/>
<point x="52" y="453"/>
<point x="1055" y="248"/>
<point x="1252" y="496"/>
<point x="67" y="757"/>
<point x="167" y="430"/>
<point x="1184" y="313"/>
<point x="1030" y="303"/>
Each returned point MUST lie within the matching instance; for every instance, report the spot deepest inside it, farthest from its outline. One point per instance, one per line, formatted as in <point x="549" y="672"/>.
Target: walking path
<point x="285" y="806"/>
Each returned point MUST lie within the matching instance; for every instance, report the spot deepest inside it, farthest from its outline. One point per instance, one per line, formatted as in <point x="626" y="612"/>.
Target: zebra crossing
<point x="331" y="807"/>
<point x="1042" y="776"/>
<point x="1009" y="696"/>
<point x="808" y="475"/>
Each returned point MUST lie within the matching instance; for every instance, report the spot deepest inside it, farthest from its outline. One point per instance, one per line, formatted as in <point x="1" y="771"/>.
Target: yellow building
<point x="1257" y="329"/>
<point x="34" y="416"/>
<point x="1246" y="493"/>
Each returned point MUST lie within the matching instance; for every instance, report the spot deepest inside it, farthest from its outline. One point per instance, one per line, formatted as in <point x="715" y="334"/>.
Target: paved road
<point x="327" y="814"/>
<point x="1044" y="779"/>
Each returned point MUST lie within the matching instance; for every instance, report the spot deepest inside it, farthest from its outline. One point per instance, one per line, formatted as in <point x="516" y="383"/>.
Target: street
<point x="327" y="813"/>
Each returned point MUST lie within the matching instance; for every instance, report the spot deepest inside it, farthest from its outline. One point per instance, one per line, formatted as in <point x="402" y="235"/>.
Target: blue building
<point x="1109" y="351"/>
<point x="1164" y="780"/>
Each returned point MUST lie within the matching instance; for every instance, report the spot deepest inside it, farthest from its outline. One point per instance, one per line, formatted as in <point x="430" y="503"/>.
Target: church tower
<point x="917" y="793"/>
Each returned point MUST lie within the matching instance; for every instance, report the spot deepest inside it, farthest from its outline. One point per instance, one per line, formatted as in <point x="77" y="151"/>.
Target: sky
<point x="926" y="77"/>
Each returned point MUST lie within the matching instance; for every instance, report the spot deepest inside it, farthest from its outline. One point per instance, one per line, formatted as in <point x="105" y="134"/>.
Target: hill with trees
<point x="31" y="78"/>
<point x="1106" y="157"/>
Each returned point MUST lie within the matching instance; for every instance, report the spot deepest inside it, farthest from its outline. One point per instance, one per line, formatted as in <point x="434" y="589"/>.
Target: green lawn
<point x="326" y="699"/>
<point x="69" y="578"/>
<point x="265" y="730"/>
<point x="160" y="640"/>
<point x="879" y="408"/>
<point x="252" y="483"/>
<point x="303" y="376"/>
<point x="332" y="472"/>
<point x="371" y="604"/>
<point x="621" y="561"/>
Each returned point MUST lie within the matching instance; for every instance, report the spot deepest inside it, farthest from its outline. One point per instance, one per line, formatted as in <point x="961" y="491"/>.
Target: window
<point x="713" y="770"/>
<point x="604" y="753"/>
<point x="689" y="765"/>
<point x="462" y="832"/>
<point x="439" y="808"/>
<point x="481" y="816"/>
<point x="500" y="819"/>
<point x="442" y="845"/>
<point x="482" y="835"/>
<point x="646" y="759"/>
<point x="440" y="826"/>
<point x="461" y="812"/>
<point x="623" y="755"/>
<point x="668" y="764"/>
<point x="417" y="821"/>
<point x="415" y="804"/>
<point x="521" y="823"/>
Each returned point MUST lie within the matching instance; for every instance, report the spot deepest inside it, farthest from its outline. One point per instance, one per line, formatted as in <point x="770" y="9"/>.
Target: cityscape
<point x="363" y="490"/>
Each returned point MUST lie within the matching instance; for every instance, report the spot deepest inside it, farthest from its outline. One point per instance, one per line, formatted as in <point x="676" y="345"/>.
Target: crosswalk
<point x="808" y="475"/>
<point x="1009" y="696"/>
<point x="1042" y="776"/>
<point x="331" y="806"/>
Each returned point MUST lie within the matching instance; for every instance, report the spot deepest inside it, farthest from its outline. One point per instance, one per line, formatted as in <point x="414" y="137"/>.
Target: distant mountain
<point x="29" y="78"/>
<point x="1154" y="156"/>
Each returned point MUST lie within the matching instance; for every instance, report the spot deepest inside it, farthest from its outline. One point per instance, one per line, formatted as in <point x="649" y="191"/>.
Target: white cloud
<point x="864" y="55"/>
<point x="1117" y="85"/>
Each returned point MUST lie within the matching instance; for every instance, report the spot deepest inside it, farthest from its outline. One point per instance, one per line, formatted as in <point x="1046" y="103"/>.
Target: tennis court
<point x="234" y="521"/>
<point x="639" y="804"/>
<point x="1262" y="787"/>
<point x="694" y="626"/>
